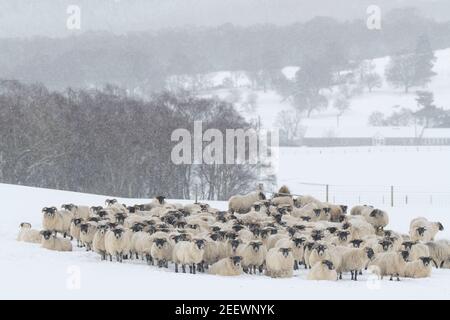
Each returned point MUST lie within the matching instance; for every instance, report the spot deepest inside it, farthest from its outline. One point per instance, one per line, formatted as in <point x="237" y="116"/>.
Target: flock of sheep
<point x="256" y="235"/>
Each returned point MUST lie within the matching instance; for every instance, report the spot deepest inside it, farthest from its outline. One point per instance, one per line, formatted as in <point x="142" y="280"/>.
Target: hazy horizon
<point x="28" y="18"/>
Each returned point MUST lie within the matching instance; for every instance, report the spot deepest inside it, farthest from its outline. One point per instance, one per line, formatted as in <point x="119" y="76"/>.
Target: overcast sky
<point x="24" y="18"/>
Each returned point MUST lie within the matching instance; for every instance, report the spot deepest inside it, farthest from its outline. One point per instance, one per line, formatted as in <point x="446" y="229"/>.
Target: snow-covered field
<point x="29" y="271"/>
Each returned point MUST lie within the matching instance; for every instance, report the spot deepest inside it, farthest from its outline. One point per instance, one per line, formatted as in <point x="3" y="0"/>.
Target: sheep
<point x="189" y="253"/>
<point x="51" y="242"/>
<point x="212" y="250"/>
<point x="279" y="263"/>
<point x="420" y="268"/>
<point x="253" y="256"/>
<point x="302" y="201"/>
<point x="358" y="227"/>
<point x="87" y="233"/>
<point x="283" y="200"/>
<point x="446" y="264"/>
<point x="98" y="243"/>
<point x="57" y="221"/>
<point x="354" y="260"/>
<point x="423" y="230"/>
<point x="391" y="263"/>
<point x="75" y="231"/>
<point x="227" y="267"/>
<point x="161" y="252"/>
<point x="416" y="250"/>
<point x="78" y="212"/>
<point x="243" y="203"/>
<point x="358" y="210"/>
<point x="273" y="239"/>
<point x="141" y="245"/>
<point x="298" y="249"/>
<point x="439" y="252"/>
<point x="233" y="247"/>
<point x="114" y="244"/>
<point x="379" y="219"/>
<point x="337" y="212"/>
<point x="323" y="271"/>
<point x="26" y="234"/>
<point x="318" y="254"/>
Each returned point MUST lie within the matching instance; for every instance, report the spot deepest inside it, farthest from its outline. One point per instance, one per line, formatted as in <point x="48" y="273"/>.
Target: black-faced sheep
<point x="227" y="267"/>
<point x="51" y="242"/>
<point x="26" y="234"/>
<point x="323" y="271"/>
<point x="280" y="263"/>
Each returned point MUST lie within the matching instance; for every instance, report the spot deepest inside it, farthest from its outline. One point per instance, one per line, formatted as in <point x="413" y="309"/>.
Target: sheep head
<point x="343" y="235"/>
<point x="356" y="243"/>
<point x="317" y="212"/>
<point x="386" y="244"/>
<point x="160" y="242"/>
<point x="328" y="264"/>
<point x="421" y="230"/>
<point x="236" y="260"/>
<point x="160" y="199"/>
<point x="25" y="225"/>
<point x="426" y="261"/>
<point x="405" y="255"/>
<point x="332" y="230"/>
<point x="46" y="234"/>
<point x="344" y="209"/>
<point x="440" y="226"/>
<point x="370" y="253"/>
<point x="285" y="251"/>
<point x="256" y="245"/>
<point x="199" y="243"/>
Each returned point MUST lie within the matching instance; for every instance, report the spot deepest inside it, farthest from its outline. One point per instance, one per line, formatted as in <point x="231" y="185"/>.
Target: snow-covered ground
<point x="29" y="271"/>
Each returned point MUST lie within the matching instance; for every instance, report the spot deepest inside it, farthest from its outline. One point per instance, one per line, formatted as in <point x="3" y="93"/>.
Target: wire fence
<point x="387" y="196"/>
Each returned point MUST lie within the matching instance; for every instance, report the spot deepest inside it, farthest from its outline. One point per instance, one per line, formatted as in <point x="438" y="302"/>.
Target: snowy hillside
<point x="385" y="99"/>
<point x="29" y="271"/>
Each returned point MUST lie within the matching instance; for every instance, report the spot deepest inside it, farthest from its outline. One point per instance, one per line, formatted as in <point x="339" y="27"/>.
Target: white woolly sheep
<point x="87" y="233"/>
<point x="98" y="243"/>
<point x="26" y="234"/>
<point x="439" y="252"/>
<point x="391" y="263"/>
<point x="78" y="212"/>
<point x="416" y="250"/>
<point x="243" y="203"/>
<point x="323" y="271"/>
<point x="420" y="268"/>
<point x="423" y="230"/>
<point x="355" y="260"/>
<point x="253" y="256"/>
<point x="114" y="244"/>
<point x="161" y="252"/>
<point x="56" y="220"/>
<point x="227" y="267"/>
<point x="280" y="263"/>
<point x="51" y="242"/>
<point x="75" y="230"/>
<point x="189" y="253"/>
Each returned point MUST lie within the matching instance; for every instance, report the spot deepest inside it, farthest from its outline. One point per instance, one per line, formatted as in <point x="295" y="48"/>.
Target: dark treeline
<point x="146" y="59"/>
<point x="101" y="141"/>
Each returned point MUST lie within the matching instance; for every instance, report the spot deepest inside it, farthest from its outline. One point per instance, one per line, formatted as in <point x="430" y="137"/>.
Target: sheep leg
<point x="176" y="267"/>
<point x="190" y="269"/>
<point x="398" y="277"/>
<point x="392" y="278"/>
<point x="351" y="274"/>
<point x="356" y="275"/>
<point x="340" y="276"/>
<point x="184" y="268"/>
<point x="193" y="268"/>
<point x="166" y="264"/>
<point x="360" y="272"/>
<point x="295" y="265"/>
<point x="254" y="269"/>
<point x="110" y="257"/>
<point x="261" y="269"/>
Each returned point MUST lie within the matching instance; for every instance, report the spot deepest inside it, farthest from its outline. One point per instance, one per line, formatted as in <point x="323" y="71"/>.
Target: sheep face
<point x="50" y="212"/>
<point x="408" y="245"/>
<point x="76" y="222"/>
<point x="68" y="207"/>
<point x="160" y="199"/>
<point x="421" y="231"/>
<point x="110" y="202"/>
<point x="237" y="227"/>
<point x="344" y="209"/>
<point x="261" y="196"/>
<point x="285" y="252"/>
<point x="102" y="213"/>
<point x="25" y="225"/>
<point x="370" y="253"/>
<point x="328" y="264"/>
<point x="321" y="250"/>
<point x="257" y="207"/>
<point x="236" y="261"/>
<point x="426" y="261"/>
<point x="46" y="234"/>
<point x="234" y="244"/>
<point x="298" y="242"/>
<point x="306" y="219"/>
<point x="193" y="226"/>
<point x="440" y="226"/>
<point x="343" y="235"/>
<point x="327" y="210"/>
<point x="102" y="229"/>
<point x="317" y="212"/>
<point x="317" y="235"/>
<point x="137" y="227"/>
<point x="375" y="213"/>
<point x="200" y="243"/>
<point x="94" y="219"/>
<point x="405" y="255"/>
<point x="160" y="242"/>
<point x="112" y="225"/>
<point x="255" y="246"/>
<point x="346" y="226"/>
<point x="356" y="243"/>
<point x="118" y="233"/>
<point x="386" y="245"/>
<point x="332" y="230"/>
<point x="84" y="228"/>
<point x="120" y="217"/>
